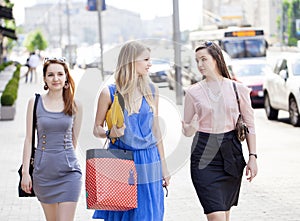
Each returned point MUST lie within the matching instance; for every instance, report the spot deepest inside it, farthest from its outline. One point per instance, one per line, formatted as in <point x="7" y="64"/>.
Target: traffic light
<point x="92" y="5"/>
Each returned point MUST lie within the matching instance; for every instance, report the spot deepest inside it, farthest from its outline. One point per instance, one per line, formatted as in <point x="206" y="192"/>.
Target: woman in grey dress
<point x="57" y="174"/>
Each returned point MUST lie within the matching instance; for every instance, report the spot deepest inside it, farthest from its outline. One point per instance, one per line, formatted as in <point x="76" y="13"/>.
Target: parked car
<point x="159" y="69"/>
<point x="252" y="72"/>
<point x="188" y="77"/>
<point x="90" y="62"/>
<point x="282" y="89"/>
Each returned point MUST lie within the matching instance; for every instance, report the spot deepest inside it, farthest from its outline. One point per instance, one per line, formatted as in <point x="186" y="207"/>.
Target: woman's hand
<point x="166" y="177"/>
<point x="190" y="129"/>
<point x="251" y="168"/>
<point x="166" y="180"/>
<point x="117" y="132"/>
<point x="26" y="183"/>
<point x="165" y="174"/>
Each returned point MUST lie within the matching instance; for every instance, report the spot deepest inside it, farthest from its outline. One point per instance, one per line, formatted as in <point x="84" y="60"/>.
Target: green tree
<point x="35" y="41"/>
<point x="291" y="8"/>
<point x="10" y="43"/>
<point x="293" y="15"/>
<point x="283" y="20"/>
<point x="8" y="3"/>
<point x="6" y="44"/>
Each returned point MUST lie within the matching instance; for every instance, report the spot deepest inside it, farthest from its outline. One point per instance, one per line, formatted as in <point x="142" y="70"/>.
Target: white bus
<point x="238" y="42"/>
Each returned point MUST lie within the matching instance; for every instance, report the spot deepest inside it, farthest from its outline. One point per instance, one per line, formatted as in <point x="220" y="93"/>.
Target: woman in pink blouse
<point x="210" y="114"/>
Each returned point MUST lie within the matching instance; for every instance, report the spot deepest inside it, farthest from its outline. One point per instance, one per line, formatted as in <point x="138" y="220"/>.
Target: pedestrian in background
<point x="57" y="174"/>
<point x="33" y="62"/>
<point x="28" y="69"/>
<point x="210" y="114"/>
<point x="140" y="133"/>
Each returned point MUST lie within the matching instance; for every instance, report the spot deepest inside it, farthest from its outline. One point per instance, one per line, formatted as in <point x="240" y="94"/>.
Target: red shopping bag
<point x="111" y="180"/>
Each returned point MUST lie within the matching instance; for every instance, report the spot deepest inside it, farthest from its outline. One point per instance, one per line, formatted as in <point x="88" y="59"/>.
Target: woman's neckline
<point x="44" y="107"/>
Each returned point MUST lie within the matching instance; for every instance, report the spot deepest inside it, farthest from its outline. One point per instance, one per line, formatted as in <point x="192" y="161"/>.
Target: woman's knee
<point x="217" y="216"/>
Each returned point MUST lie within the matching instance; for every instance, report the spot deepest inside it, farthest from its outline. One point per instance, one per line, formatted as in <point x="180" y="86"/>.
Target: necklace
<point x="215" y="97"/>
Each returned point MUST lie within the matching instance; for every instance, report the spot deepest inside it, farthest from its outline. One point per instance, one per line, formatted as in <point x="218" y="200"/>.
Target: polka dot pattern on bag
<point x="111" y="184"/>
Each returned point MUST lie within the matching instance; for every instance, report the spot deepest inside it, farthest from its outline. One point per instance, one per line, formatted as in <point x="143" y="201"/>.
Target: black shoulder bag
<point x="241" y="128"/>
<point x="21" y="192"/>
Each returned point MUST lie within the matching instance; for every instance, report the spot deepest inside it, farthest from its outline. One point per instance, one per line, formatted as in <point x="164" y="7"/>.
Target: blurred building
<point x="258" y="13"/>
<point x="52" y="20"/>
<point x="118" y="25"/>
<point x="159" y="27"/>
<point x="264" y="13"/>
<point x="122" y="25"/>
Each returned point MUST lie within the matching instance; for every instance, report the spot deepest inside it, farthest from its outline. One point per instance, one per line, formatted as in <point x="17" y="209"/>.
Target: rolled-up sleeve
<point x="246" y="108"/>
<point x="189" y="110"/>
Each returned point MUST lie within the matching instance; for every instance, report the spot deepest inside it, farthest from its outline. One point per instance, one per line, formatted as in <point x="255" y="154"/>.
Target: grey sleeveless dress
<point x="57" y="173"/>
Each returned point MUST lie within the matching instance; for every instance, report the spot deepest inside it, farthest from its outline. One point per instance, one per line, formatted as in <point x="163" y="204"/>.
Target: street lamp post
<point x="69" y="34"/>
<point x="177" y="52"/>
<point x="60" y="23"/>
<point x="99" y="9"/>
<point x="281" y="24"/>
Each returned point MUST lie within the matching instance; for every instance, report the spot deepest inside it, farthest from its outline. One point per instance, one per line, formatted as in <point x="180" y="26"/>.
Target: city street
<point x="272" y="196"/>
<point x="89" y="35"/>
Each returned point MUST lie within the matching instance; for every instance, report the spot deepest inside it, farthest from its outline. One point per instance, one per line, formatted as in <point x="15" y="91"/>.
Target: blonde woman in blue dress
<point x="140" y="133"/>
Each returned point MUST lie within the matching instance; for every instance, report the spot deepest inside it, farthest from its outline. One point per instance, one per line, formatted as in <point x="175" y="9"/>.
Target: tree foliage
<point x="290" y="13"/>
<point x="295" y="15"/>
<point x="35" y="41"/>
<point x="8" y="3"/>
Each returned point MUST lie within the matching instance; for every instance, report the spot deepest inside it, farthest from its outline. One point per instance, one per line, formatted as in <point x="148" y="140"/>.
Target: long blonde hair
<point x="127" y="78"/>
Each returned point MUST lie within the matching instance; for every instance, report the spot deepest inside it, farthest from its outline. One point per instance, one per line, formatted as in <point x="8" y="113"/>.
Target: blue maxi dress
<point x="139" y="138"/>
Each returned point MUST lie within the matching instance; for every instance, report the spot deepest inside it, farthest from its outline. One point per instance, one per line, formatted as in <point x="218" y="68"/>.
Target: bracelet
<point x="107" y="133"/>
<point x="253" y="154"/>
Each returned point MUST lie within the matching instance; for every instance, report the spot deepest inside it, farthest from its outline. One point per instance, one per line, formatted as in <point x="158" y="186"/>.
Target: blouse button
<point x="44" y="142"/>
<point x="43" y="147"/>
<point x="44" y="136"/>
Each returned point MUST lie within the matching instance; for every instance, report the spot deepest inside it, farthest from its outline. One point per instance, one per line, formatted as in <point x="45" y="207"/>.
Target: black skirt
<point x="217" y="165"/>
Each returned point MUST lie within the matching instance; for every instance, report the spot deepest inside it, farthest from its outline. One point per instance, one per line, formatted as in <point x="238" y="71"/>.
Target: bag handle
<point x="34" y="125"/>
<point x="237" y="95"/>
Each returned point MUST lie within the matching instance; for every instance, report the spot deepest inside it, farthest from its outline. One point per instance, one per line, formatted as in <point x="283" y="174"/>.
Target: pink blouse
<point x="218" y="115"/>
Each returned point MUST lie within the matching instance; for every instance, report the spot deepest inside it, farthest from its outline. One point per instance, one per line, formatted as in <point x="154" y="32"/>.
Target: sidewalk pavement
<point x="257" y="201"/>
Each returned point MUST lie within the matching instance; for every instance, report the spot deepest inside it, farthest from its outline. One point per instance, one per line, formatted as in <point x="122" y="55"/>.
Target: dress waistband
<point x="228" y="134"/>
<point x="230" y="149"/>
<point x="121" y="145"/>
<point x="56" y="141"/>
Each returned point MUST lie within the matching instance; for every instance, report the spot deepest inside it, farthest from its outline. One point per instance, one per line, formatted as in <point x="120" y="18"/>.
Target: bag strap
<point x="121" y="100"/>
<point x="237" y="95"/>
<point x="113" y="91"/>
<point x="34" y="124"/>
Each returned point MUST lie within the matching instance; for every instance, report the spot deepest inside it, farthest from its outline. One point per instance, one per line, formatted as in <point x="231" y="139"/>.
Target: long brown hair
<point x="70" y="107"/>
<point x="216" y="52"/>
